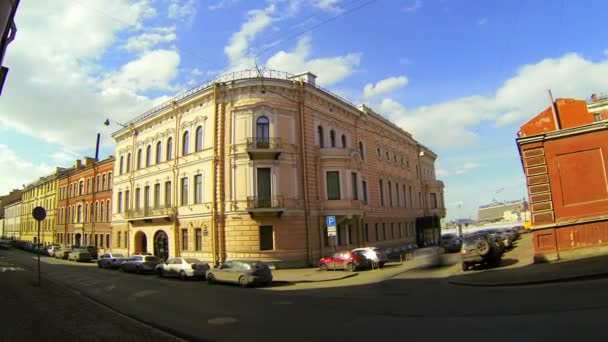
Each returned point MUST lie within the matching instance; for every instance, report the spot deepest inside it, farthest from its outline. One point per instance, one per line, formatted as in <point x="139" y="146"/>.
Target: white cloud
<point x="57" y="91"/>
<point x="518" y="100"/>
<point x="415" y="6"/>
<point x="16" y="172"/>
<point x="329" y="5"/>
<point x="65" y="156"/>
<point x="184" y="10"/>
<point x="222" y="4"/>
<point x="146" y="41"/>
<point x="257" y="21"/>
<point x="384" y="86"/>
<point x="482" y="21"/>
<point x="329" y="70"/>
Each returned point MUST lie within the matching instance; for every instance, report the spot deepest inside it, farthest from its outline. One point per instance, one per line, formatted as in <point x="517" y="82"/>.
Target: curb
<point x="530" y="282"/>
<point x="350" y="275"/>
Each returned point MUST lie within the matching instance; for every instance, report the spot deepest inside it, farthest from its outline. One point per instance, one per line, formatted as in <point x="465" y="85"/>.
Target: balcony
<point x="150" y="213"/>
<point x="264" y="148"/>
<point x="265" y="206"/>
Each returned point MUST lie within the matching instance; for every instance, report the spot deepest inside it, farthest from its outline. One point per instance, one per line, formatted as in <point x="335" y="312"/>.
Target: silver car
<point x="110" y="260"/>
<point x="140" y="264"/>
<point x="244" y="273"/>
<point x="183" y="268"/>
<point x="79" y="254"/>
<point x="373" y="254"/>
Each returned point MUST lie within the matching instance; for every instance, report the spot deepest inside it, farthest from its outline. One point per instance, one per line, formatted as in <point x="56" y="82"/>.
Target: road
<point x="428" y="308"/>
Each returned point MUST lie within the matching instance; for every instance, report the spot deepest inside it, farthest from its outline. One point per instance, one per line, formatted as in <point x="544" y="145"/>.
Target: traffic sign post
<point x="332" y="235"/>
<point x="39" y="214"/>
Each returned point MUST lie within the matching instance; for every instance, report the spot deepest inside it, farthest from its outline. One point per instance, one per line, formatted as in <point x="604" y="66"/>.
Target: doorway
<point x="141" y="242"/>
<point x="161" y="245"/>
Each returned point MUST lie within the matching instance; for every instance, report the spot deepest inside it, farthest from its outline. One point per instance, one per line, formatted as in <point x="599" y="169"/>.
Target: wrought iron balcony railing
<point x="272" y="202"/>
<point x="149" y="212"/>
<point x="263" y="143"/>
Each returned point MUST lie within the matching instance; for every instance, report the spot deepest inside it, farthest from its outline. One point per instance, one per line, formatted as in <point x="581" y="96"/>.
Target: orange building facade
<point x="564" y="150"/>
<point x="84" y="205"/>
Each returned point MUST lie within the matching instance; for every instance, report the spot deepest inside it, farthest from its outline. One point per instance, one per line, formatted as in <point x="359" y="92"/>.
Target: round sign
<point x="39" y="213"/>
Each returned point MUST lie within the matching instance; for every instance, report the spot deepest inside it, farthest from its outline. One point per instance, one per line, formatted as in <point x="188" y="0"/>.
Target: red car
<point x="347" y="260"/>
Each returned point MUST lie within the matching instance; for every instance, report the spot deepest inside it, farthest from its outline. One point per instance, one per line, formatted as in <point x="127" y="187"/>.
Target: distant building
<point x="503" y="211"/>
<point x="564" y="155"/>
<point x="8" y="212"/>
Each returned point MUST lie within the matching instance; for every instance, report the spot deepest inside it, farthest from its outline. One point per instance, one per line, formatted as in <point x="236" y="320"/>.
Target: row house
<point x="10" y="212"/>
<point x="41" y="193"/>
<point x="249" y="167"/>
<point x="84" y="204"/>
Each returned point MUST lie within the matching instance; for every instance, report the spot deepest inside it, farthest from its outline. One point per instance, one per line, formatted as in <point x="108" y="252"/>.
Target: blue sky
<point x="462" y="76"/>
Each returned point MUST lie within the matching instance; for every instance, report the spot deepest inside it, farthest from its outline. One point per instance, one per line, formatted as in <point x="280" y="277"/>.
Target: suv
<point x="349" y="261"/>
<point x="480" y="248"/>
<point x="373" y="254"/>
<point x="92" y="250"/>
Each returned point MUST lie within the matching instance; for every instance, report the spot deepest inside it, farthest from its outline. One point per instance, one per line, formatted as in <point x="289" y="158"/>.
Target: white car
<point x="183" y="268"/>
<point x="51" y="250"/>
<point x="374" y="254"/>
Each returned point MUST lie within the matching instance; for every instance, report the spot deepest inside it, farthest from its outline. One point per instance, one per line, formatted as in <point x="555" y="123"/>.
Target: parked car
<point x="5" y="244"/>
<point x="79" y="255"/>
<point x="51" y="250"/>
<point x="140" y="264"/>
<point x="480" y="248"/>
<point x="93" y="250"/>
<point x="345" y="260"/>
<point x="183" y="268"/>
<point x="111" y="260"/>
<point x="244" y="273"/>
<point x="451" y="243"/>
<point x="374" y="255"/>
<point x="62" y="253"/>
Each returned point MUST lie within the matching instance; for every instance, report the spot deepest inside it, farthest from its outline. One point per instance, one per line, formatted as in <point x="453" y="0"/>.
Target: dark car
<point x="481" y="248"/>
<point x="242" y="272"/>
<point x="140" y="264"/>
<point x="111" y="260"/>
<point x="346" y="260"/>
<point x="92" y="250"/>
<point x="451" y="243"/>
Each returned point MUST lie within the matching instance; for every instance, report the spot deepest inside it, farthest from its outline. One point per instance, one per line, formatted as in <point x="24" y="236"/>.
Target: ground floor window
<point x="107" y="240"/>
<point x="366" y="232"/>
<point x="118" y="239"/>
<point x="198" y="242"/>
<point x="266" y="238"/>
<point x="184" y="239"/>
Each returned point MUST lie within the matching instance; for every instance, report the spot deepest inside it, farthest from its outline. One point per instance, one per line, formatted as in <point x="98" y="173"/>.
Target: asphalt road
<point x="398" y="308"/>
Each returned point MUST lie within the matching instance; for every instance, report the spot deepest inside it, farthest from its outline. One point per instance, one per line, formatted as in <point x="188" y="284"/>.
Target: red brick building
<point x="564" y="151"/>
<point x="84" y="205"/>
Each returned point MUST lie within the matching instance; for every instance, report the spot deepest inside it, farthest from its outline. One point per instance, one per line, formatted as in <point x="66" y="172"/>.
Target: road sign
<point x="331" y="231"/>
<point x="39" y="213"/>
<point x="331" y="226"/>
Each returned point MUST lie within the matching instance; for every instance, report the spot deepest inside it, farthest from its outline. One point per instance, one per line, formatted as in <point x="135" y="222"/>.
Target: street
<point x="428" y="308"/>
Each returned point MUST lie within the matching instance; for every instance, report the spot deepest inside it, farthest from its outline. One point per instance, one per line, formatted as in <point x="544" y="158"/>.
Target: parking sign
<point x="331" y="226"/>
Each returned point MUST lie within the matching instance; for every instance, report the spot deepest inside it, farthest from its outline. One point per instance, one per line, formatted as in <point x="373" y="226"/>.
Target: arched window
<point x="139" y="159"/>
<point x="129" y="162"/>
<point x="159" y="152"/>
<point x="80" y="188"/>
<point x="262" y="129"/>
<point x="343" y="140"/>
<point x="185" y="143"/>
<point x="69" y="215"/>
<point x="96" y="211"/>
<point x="378" y="152"/>
<point x="120" y="169"/>
<point x="73" y="214"/>
<point x="102" y="217"/>
<point x="79" y="215"/>
<point x="109" y="180"/>
<point x="103" y="182"/>
<point x="320" y="135"/>
<point x="170" y="148"/>
<point x="361" y="149"/>
<point x="86" y="212"/>
<point x="332" y="138"/>
<point x="108" y="211"/>
<point x="98" y="185"/>
<point x="149" y="155"/>
<point x="199" y="139"/>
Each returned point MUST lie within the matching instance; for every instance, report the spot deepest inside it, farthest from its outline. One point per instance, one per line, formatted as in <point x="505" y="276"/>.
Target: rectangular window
<point x="198" y="242"/>
<point x="146" y="197"/>
<point x="433" y="200"/>
<point x="137" y="198"/>
<point x="157" y="195"/>
<point x="392" y="231"/>
<point x="381" y="194"/>
<point x="397" y="193"/>
<point x="333" y="185"/>
<point x="107" y="240"/>
<point x="184" y="198"/>
<point x="266" y="238"/>
<point x="376" y="235"/>
<point x="127" y="200"/>
<point x="119" y="239"/>
<point x="167" y="194"/>
<point x="198" y="189"/>
<point x="366" y="232"/>
<point x="364" y="188"/>
<point x="400" y="230"/>
<point x="383" y="231"/>
<point x="101" y="241"/>
<point x="184" y="239"/>
<point x="404" y="197"/>
<point x="390" y="194"/>
<point x="411" y="199"/>
<point x="96" y="240"/>
<point x="355" y="186"/>
<point x="419" y="199"/>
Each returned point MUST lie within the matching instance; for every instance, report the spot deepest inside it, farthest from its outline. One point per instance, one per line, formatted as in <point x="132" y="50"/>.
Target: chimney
<point x="78" y="164"/>
<point x="307" y="77"/>
<point x="89" y="161"/>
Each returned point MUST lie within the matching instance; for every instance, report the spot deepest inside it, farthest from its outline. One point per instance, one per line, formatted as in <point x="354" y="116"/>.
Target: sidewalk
<point x="309" y="275"/>
<point x="589" y="268"/>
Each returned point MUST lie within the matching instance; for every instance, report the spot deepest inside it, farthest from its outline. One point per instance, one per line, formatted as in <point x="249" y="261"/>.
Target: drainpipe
<point x="214" y="202"/>
<point x="132" y="191"/>
<point x="304" y="171"/>
<point x="175" y="170"/>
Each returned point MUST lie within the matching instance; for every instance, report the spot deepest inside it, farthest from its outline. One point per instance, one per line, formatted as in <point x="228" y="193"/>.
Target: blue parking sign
<point x="331" y="221"/>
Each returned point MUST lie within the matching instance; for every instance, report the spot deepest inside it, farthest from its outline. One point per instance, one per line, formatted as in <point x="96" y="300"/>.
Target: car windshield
<point x="473" y="238"/>
<point x="193" y="261"/>
<point x="118" y="256"/>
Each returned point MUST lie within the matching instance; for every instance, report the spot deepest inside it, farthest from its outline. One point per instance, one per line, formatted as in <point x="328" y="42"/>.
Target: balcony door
<point x="262" y="132"/>
<point x="264" y="197"/>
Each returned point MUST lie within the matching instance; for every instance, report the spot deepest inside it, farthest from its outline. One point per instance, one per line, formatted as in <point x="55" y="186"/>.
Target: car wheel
<point x="210" y="278"/>
<point x="381" y="264"/>
<point x="465" y="267"/>
<point x="137" y="270"/>
<point x="323" y="267"/>
<point x="482" y="248"/>
<point x="182" y="275"/>
<point x="350" y="267"/>
<point x="243" y="282"/>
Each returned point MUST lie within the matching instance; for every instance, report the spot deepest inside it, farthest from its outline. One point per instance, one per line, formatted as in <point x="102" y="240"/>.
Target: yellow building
<point x="250" y="167"/>
<point x="42" y="192"/>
